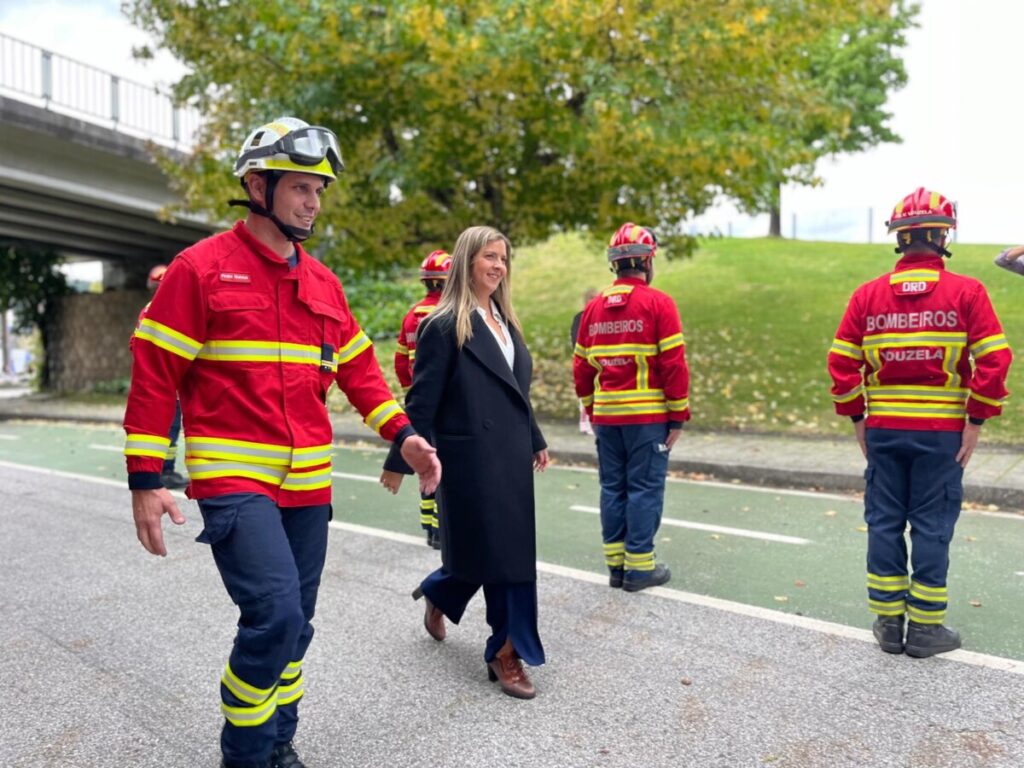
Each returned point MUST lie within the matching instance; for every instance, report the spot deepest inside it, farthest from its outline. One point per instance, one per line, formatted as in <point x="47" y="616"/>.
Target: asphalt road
<point x="111" y="658"/>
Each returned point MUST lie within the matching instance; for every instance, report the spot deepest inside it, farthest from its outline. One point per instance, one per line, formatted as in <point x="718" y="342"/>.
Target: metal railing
<point x="79" y="89"/>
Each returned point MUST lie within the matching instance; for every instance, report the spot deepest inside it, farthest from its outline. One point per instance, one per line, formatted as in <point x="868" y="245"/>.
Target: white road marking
<point x="98" y="447"/>
<point x="776" y="537"/>
<point x="999" y="663"/>
<point x="347" y="476"/>
<point x="10" y="437"/>
<point x="732" y="486"/>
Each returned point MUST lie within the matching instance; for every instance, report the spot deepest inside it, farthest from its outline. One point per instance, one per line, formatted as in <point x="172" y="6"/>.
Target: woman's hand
<point x="541" y="460"/>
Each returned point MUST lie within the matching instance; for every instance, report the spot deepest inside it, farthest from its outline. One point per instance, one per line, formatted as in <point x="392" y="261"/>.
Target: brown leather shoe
<point x="508" y="671"/>
<point x="433" y="618"/>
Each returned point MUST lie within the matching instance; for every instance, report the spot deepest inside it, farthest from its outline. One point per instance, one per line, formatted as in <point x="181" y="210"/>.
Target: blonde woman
<point x="471" y="395"/>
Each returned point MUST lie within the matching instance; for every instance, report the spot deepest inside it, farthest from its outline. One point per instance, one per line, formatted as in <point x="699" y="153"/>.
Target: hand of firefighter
<point x="541" y="460"/>
<point x="391" y="480"/>
<point x="148" y="508"/>
<point x="968" y="442"/>
<point x="673" y="435"/>
<point x="858" y="430"/>
<point x="422" y="457"/>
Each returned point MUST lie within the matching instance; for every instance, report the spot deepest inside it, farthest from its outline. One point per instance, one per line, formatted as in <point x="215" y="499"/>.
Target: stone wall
<point x="87" y="338"/>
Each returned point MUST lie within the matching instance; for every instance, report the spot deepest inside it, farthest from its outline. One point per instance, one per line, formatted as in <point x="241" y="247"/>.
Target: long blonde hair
<point x="457" y="300"/>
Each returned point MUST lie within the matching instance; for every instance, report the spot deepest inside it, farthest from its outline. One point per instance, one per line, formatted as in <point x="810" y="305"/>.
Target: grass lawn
<point x="758" y="315"/>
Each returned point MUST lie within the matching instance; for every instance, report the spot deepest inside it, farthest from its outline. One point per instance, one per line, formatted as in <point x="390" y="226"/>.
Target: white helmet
<point x="290" y="144"/>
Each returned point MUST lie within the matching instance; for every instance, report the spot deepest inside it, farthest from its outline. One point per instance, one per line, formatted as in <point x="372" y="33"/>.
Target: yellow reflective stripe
<point x="580" y="351"/>
<point x="617" y="289"/>
<point x="137" y="444"/>
<point x="293" y="670"/>
<point x="311" y="456"/>
<point x="989" y="344"/>
<point x="423" y="310"/>
<point x="922" y="616"/>
<point x="916" y="339"/>
<point x="412" y="355"/>
<point x="248" y="351"/>
<point x="287" y="694"/>
<point x="678" y="405"/>
<point x="614" y="547"/>
<point x="614" y="554"/>
<point x="242" y="689"/>
<point x="921" y="275"/>
<point x="202" y="469"/>
<point x="887" y="608"/>
<point x="853" y="394"/>
<point x="640" y="409"/>
<point x="929" y="594"/>
<point x="383" y="413"/>
<point x="916" y="410"/>
<point x="639" y="561"/>
<point x="916" y="392"/>
<point x="358" y="344"/>
<point x="168" y="338"/>
<point x="987" y="400"/>
<point x="201" y="447"/>
<point x="249" y="716"/>
<point x="400" y="350"/>
<point x="847" y="349"/>
<point x="619" y="395"/>
<point x="614" y="350"/>
<point x="428" y="504"/>
<point x="642" y="372"/>
<point x="307" y="481"/>
<point x="888" y="583"/>
<point x="588" y="400"/>
<point x="671" y="342"/>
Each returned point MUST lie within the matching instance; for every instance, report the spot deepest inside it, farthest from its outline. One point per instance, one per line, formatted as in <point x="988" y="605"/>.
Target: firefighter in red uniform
<point x="169" y="477"/>
<point x="251" y="332"/>
<point x="433" y="274"/>
<point x="631" y="375"/>
<point x="919" y="351"/>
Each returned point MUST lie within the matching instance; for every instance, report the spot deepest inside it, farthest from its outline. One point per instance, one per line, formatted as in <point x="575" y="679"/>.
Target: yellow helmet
<point x="290" y="144"/>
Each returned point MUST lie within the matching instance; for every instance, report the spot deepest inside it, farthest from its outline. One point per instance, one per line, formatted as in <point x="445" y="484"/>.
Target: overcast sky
<point x="960" y="115"/>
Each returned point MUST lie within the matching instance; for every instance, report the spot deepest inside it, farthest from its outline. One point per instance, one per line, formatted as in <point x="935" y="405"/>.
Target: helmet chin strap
<point x="292" y="234"/>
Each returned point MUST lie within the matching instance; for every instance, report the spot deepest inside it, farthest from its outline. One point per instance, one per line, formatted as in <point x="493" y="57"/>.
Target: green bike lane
<point x="797" y="553"/>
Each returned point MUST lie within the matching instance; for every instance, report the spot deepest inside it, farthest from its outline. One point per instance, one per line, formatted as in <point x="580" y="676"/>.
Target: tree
<point x="855" y="69"/>
<point x="532" y="115"/>
<point x="29" y="284"/>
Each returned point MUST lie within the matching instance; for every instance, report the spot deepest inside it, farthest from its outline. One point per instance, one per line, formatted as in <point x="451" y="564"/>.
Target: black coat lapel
<point x="484" y="347"/>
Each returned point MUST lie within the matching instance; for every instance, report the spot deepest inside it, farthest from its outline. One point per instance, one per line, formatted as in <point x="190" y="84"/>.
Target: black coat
<point x="477" y="412"/>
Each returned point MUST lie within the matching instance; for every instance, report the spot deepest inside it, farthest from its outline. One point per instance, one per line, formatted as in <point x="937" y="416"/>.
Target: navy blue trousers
<point x="511" y="612"/>
<point x="912" y="478"/>
<point x="632" y="465"/>
<point x="173" y="434"/>
<point x="270" y="559"/>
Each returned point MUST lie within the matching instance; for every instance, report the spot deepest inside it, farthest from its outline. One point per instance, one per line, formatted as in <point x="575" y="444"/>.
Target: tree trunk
<point x="775" y="212"/>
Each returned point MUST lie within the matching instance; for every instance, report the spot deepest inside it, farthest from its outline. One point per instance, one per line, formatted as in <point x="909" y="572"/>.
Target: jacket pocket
<point x="237" y="301"/>
<point x="218" y="523"/>
<point x="951" y="511"/>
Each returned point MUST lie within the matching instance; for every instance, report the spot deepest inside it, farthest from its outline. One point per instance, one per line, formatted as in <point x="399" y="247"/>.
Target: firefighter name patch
<point x="235" y="277"/>
<point x="912" y="287"/>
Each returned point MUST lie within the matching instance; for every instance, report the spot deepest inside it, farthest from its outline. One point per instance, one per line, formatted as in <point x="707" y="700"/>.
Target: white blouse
<point x="507" y="348"/>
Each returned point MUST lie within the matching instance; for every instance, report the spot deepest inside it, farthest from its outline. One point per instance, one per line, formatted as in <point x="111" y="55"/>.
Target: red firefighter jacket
<point x="252" y="347"/>
<point x="905" y="347"/>
<point x="405" y="352"/>
<point x="629" y="363"/>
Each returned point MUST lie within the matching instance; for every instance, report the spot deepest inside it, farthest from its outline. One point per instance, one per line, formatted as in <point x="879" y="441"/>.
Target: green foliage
<point x="29" y="282"/>
<point x="112" y="386"/>
<point x="380" y="300"/>
<point x="535" y="117"/>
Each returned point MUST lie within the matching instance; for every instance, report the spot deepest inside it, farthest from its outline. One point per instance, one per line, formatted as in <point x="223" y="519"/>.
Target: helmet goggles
<point x="307" y="146"/>
<point x="629" y="251"/>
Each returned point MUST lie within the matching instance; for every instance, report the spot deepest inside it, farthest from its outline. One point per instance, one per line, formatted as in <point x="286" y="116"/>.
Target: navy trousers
<point x="270" y="559"/>
<point x="632" y="465"/>
<point x="172" y="434"/>
<point x="511" y="612"/>
<point x="912" y="477"/>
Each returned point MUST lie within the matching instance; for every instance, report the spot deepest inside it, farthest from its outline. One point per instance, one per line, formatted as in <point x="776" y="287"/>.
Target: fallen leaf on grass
<point x="716" y="536"/>
<point x="975" y="603"/>
<point x="831" y="513"/>
<point x="861" y="528"/>
<point x="781" y="599"/>
<point x="799" y="583"/>
<point x="970" y="538"/>
<point x="686" y="681"/>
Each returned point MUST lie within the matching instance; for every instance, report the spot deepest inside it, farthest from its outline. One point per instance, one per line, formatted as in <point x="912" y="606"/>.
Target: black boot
<point x="615" y="578"/>
<point x="634" y="581"/>
<point x="889" y="633"/>
<point x="925" y="640"/>
<point x="284" y="756"/>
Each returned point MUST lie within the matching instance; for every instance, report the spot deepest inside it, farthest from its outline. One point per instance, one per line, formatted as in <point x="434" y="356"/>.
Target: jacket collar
<point x="920" y="261"/>
<point x="484" y="347"/>
<point x="258" y="246"/>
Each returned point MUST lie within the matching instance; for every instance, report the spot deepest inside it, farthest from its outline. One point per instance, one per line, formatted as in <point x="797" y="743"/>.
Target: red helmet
<point x="156" y="274"/>
<point x="922" y="209"/>
<point x="631" y="241"/>
<point x="436" y="266"/>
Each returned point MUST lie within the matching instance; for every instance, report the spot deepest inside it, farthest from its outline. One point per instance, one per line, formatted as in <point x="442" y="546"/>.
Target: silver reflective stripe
<point x="199" y="469"/>
<point x="281" y="455"/>
<point x="915" y="340"/>
<point x="918" y="393"/>
<point x="183" y="348"/>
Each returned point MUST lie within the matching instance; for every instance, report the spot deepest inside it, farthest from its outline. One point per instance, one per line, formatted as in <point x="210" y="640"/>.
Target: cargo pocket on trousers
<point x="869" y="481"/>
<point x="217" y="524"/>
<point x="951" y="511"/>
